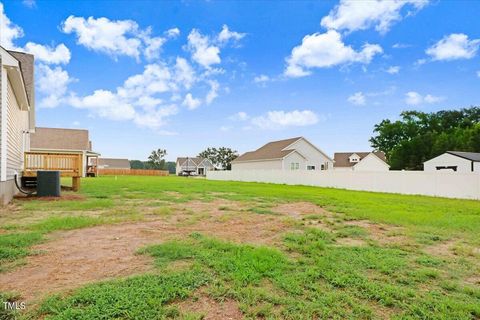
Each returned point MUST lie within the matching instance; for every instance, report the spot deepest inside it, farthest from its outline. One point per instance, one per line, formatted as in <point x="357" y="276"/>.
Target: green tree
<point x="156" y="159"/>
<point x="419" y="136"/>
<point x="221" y="157"/>
<point x="137" y="164"/>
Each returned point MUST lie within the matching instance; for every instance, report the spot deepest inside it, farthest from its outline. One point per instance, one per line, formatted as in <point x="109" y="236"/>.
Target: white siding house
<point x="454" y="161"/>
<point x="360" y="161"/>
<point x="289" y="154"/>
<point x="17" y="117"/>
<point x="193" y="165"/>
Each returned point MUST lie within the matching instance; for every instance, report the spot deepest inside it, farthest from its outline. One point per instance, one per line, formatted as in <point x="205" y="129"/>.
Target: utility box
<point x="48" y="183"/>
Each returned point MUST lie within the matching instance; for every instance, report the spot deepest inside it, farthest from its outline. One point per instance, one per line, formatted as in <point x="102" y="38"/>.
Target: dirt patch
<point x="443" y="248"/>
<point x="382" y="233"/>
<point x="74" y="258"/>
<point x="211" y="309"/>
<point x="299" y="209"/>
<point x="63" y="197"/>
<point x="349" y="242"/>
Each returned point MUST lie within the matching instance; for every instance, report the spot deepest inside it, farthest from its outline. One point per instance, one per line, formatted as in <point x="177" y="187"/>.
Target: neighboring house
<point x="198" y="166"/>
<point x="289" y="154"/>
<point x="360" y="161"/>
<point x="17" y="116"/>
<point x="110" y="163"/>
<point x="455" y="161"/>
<point x="66" y="141"/>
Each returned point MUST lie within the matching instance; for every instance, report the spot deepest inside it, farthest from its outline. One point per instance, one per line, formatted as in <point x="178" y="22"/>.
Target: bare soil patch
<point x="382" y="233"/>
<point x="443" y="248"/>
<point x="74" y="258"/>
<point x="63" y="197"/>
<point x="211" y="309"/>
<point x="350" y="242"/>
<point x="299" y="209"/>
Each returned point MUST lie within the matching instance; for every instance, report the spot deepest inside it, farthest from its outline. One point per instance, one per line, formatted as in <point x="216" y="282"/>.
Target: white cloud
<point x="357" y="98"/>
<point x="114" y="37"/>
<point x="433" y="99"/>
<point x="213" y="92"/>
<point x="239" y="116"/>
<point x="52" y="83"/>
<point x="478" y="73"/>
<point x="190" y="102"/>
<point x="261" y="79"/>
<point x="282" y="119"/>
<point x="393" y="70"/>
<point x="58" y="55"/>
<point x="184" y="73"/>
<point x="401" y="46"/>
<point x="29" y="3"/>
<point x="8" y="30"/>
<point x="454" y="46"/>
<point x="225" y="35"/>
<point x="172" y="33"/>
<point x="413" y="98"/>
<point x="225" y="128"/>
<point x="353" y="15"/>
<point x="203" y="52"/>
<point x="323" y="50"/>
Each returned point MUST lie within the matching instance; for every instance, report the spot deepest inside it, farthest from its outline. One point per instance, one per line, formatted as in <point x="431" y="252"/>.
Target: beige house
<point x="360" y="161"/>
<point x="66" y="141"/>
<point x="17" y="117"/>
<point x="111" y="163"/>
<point x="454" y="161"/>
<point x="289" y="154"/>
<point x="193" y="165"/>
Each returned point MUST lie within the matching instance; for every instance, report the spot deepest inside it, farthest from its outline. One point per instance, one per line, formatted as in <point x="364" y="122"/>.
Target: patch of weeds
<point x="429" y="261"/>
<point x="351" y="232"/>
<point x="139" y="297"/>
<point x="312" y="241"/>
<point x="428" y="238"/>
<point x="6" y="313"/>
<point x="163" y="211"/>
<point x="224" y="208"/>
<point x="260" y="210"/>
<point x="425" y="274"/>
<point x="66" y="223"/>
<point x="464" y="250"/>
<point x="15" y="246"/>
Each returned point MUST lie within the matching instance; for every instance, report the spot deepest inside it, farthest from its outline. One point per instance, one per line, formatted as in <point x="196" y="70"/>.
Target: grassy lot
<point x="258" y="251"/>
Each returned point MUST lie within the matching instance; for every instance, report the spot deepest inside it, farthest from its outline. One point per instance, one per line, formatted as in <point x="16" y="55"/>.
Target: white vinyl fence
<point x="438" y="184"/>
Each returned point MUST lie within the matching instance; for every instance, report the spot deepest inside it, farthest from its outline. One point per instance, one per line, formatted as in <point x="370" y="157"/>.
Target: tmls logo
<point x="14" y="305"/>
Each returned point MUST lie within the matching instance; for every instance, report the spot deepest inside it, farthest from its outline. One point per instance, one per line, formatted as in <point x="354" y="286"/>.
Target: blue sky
<point x="192" y="74"/>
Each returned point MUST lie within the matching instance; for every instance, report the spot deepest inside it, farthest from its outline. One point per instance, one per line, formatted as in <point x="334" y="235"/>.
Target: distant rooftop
<point x="472" y="156"/>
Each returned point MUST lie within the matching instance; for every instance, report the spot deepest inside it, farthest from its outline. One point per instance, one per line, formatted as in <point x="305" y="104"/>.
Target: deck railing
<point x="69" y="165"/>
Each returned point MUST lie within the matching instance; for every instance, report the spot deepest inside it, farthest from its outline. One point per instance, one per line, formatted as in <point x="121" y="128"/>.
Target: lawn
<point x="186" y="248"/>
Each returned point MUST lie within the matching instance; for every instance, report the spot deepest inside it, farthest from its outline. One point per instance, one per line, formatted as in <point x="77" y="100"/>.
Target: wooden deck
<point x="69" y="165"/>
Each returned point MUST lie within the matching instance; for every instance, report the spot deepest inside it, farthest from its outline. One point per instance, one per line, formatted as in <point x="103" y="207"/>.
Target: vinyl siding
<point x="17" y="140"/>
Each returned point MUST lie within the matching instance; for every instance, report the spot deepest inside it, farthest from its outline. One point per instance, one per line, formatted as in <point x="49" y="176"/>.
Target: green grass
<point x="444" y="216"/>
<point x="311" y="273"/>
<point x="325" y="281"/>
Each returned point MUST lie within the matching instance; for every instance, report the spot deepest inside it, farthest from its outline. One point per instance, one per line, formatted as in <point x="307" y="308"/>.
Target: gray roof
<point x="342" y="158"/>
<point x="472" y="156"/>
<point x="111" y="163"/>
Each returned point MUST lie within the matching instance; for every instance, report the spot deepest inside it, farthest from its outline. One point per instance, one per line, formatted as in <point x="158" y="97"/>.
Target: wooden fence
<point x="132" y="172"/>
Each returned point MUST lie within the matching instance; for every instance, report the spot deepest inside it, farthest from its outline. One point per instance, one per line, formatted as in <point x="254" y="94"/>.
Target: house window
<point x="310" y="167"/>
<point x="297" y="166"/>
<point x="294" y="166"/>
<point x="322" y="167"/>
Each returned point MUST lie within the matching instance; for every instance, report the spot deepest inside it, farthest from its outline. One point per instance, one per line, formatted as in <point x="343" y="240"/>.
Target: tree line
<point x="418" y="136"/>
<point x="220" y="157"/>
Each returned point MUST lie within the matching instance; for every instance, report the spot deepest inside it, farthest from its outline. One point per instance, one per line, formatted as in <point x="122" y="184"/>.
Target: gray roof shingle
<point x="472" y="156"/>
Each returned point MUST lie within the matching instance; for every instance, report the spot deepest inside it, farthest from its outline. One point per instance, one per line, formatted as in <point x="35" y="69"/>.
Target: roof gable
<point x="342" y="159"/>
<point x="271" y="150"/>
<point x="472" y="156"/>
